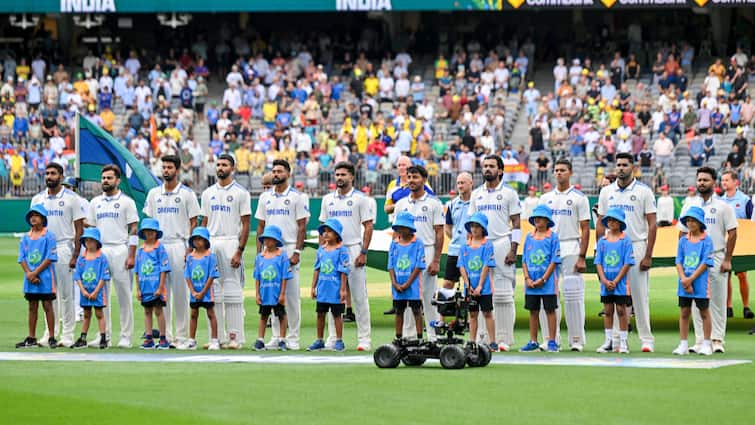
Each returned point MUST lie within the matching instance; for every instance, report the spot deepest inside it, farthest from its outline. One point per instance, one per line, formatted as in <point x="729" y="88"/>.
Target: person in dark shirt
<point x="536" y="139"/>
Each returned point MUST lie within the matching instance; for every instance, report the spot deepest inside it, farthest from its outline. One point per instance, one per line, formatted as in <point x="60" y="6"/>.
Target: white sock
<point x="609" y="335"/>
<point x="623" y="336"/>
<point x="706" y="343"/>
<point x="684" y="344"/>
<point x="214" y="340"/>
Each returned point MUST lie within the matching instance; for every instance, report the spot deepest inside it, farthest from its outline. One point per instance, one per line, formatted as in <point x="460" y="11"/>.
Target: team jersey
<point x="498" y="205"/>
<point x="351" y="210"/>
<point x="90" y="272"/>
<point x="199" y="270"/>
<point x="538" y="255"/>
<point x="34" y="252"/>
<point x="457" y="213"/>
<point x="283" y="210"/>
<point x="173" y="210"/>
<point x="719" y="219"/>
<point x="427" y="212"/>
<point x="149" y="265"/>
<point x="691" y="254"/>
<point x="112" y="215"/>
<point x="223" y="207"/>
<point x="271" y="271"/>
<point x="62" y="210"/>
<point x="403" y="259"/>
<point x="473" y="260"/>
<point x="612" y="256"/>
<point x="636" y="200"/>
<point x="740" y="203"/>
<point x="569" y="208"/>
<point x="331" y="264"/>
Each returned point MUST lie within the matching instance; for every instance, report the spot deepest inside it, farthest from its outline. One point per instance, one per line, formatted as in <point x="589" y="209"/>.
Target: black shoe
<point x="52" y="343"/>
<point x="349" y="317"/>
<point x="747" y="313"/>
<point x="729" y="312"/>
<point x="629" y="328"/>
<point x="602" y="313"/>
<point x="752" y="331"/>
<point x="103" y="343"/>
<point x="80" y="343"/>
<point x="29" y="342"/>
<point x="390" y="311"/>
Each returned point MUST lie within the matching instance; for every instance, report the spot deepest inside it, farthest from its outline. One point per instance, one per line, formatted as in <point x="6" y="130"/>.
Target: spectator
<point x="663" y="150"/>
<point x="665" y="208"/>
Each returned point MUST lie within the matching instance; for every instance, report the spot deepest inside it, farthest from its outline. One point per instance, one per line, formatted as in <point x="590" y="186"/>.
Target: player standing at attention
<point x="200" y="273"/>
<point x="406" y="260"/>
<point x="226" y="210"/>
<point x="457" y="214"/>
<point x="152" y="268"/>
<point x="92" y="275"/>
<point x="71" y="184"/>
<point x="742" y="205"/>
<point x="271" y="272"/>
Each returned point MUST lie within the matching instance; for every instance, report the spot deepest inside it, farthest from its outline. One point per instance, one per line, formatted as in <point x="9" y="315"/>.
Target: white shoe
<point x="66" y="343"/>
<point x="124" y="343"/>
<point x="273" y="344"/>
<point x="502" y="347"/>
<point x="233" y="345"/>
<point x="213" y="346"/>
<point x="705" y="350"/>
<point x="718" y="347"/>
<point x="680" y="350"/>
<point x="623" y="348"/>
<point x="42" y="342"/>
<point x="695" y="348"/>
<point x="576" y="347"/>
<point x="292" y="346"/>
<point x="188" y="344"/>
<point x="648" y="348"/>
<point x="364" y="347"/>
<point x="607" y="347"/>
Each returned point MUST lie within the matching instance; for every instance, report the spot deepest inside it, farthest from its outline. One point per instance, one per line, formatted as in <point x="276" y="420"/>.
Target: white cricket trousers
<point x="359" y="300"/>
<point x="120" y="279"/>
<point x="293" y="305"/>
<point x="227" y="289"/>
<point x="177" y="303"/>
<point x="64" y="305"/>
<point x="639" y="285"/>
<point x="718" y="285"/>
<point x="504" y="282"/>
<point x="427" y="287"/>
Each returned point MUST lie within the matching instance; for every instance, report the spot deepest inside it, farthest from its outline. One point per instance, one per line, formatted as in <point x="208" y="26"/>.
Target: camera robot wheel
<point x="479" y="355"/>
<point x="387" y="356"/>
<point x="413" y="360"/>
<point x="452" y="357"/>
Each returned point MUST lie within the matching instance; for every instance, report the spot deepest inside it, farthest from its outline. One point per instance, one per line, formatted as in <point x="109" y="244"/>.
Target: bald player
<point x="637" y="200"/>
<point x="457" y="213"/>
<point x="288" y="209"/>
<point x="356" y="213"/>
<point x="114" y="215"/>
<point x="226" y="211"/>
<point x="176" y="208"/>
<point x="500" y="204"/>
<point x="571" y="213"/>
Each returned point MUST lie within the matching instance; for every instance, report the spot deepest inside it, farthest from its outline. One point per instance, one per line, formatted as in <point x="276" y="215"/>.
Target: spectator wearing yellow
<point x="614" y="116"/>
<point x="441" y="66"/>
<point x="269" y="112"/>
<point x="371" y="84"/>
<point x="108" y="119"/>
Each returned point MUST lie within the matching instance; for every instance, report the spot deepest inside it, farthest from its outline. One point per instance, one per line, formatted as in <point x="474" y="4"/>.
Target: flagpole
<point x="76" y="130"/>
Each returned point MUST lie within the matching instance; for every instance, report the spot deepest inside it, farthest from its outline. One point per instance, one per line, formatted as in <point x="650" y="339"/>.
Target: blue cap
<point x="404" y="219"/>
<point x="199" y="232"/>
<point x="91" y="233"/>
<point x="70" y="181"/>
<point x="544" y="212"/>
<point x="480" y="219"/>
<point x="150" y="224"/>
<point x="37" y="209"/>
<point x="333" y="225"/>
<point x="694" y="212"/>
<point x="272" y="232"/>
<point x="616" y="214"/>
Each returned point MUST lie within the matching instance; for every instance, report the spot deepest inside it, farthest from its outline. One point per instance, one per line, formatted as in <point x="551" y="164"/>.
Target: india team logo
<point x="327" y="267"/>
<point x="269" y="273"/>
<point x="197" y="273"/>
<point x="691" y="260"/>
<point x="475" y="264"/>
<point x="612" y="258"/>
<point x="148" y="267"/>
<point x="538" y="257"/>
<point x="403" y="263"/>
<point x="89" y="275"/>
<point x="35" y="257"/>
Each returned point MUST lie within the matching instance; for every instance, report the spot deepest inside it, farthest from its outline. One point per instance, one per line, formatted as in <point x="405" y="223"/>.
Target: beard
<point x="169" y="177"/>
<point x="489" y="177"/>
<point x="52" y="184"/>
<point x="340" y="183"/>
<point x="107" y="187"/>
<point x="278" y="180"/>
<point x="222" y="174"/>
<point x="704" y="191"/>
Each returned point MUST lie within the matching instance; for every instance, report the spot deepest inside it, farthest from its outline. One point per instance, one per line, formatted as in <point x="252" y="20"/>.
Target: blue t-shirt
<point x="34" y="252"/>
<point x="149" y="265"/>
<point x="612" y="256"/>
<point x="691" y="255"/>
<point x="457" y="212"/>
<point x="198" y="271"/>
<point x="403" y="259"/>
<point x="473" y="260"/>
<point x="271" y="271"/>
<point x="90" y="273"/>
<point x="538" y="254"/>
<point x="331" y="263"/>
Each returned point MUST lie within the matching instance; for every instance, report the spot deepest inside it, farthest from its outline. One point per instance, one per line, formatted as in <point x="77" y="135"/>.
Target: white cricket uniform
<point x="84" y="204"/>
<point x="174" y="211"/>
<point x="719" y="219"/>
<point x="63" y="210"/>
<point x="112" y="215"/>
<point x="636" y="200"/>
<point x="428" y="213"/>
<point x="223" y="207"/>
<point x="284" y="210"/>
<point x="498" y="205"/>
<point x="570" y="208"/>
<point x="352" y="211"/>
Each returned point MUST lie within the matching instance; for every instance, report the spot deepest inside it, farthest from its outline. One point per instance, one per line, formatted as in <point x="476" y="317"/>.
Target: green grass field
<point x="49" y="392"/>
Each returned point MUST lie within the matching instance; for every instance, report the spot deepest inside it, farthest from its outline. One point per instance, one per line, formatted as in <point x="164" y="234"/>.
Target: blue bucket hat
<point x="37" y="209"/>
<point x="199" y="232"/>
<point x="616" y="214"/>
<point x="544" y="212"/>
<point x="480" y="219"/>
<point x="272" y="232"/>
<point x="333" y="225"/>
<point x="91" y="233"/>
<point x="694" y="212"/>
<point x="150" y="224"/>
<point x="404" y="219"/>
<point x="70" y="181"/>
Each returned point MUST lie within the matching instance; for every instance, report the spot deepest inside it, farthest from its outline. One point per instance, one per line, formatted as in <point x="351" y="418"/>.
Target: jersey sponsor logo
<point x="34" y="257"/>
<point x="104" y="215"/>
<point x="563" y="211"/>
<point x="89" y="275"/>
<point x="421" y="219"/>
<point x="475" y="264"/>
<point x="489" y="207"/>
<point x="538" y="257"/>
<point x="269" y="274"/>
<point x="277" y="211"/>
<point x="612" y="258"/>
<point x="327" y="267"/>
<point x="55" y="213"/>
<point x="625" y="207"/>
<point x="340" y="213"/>
<point x="710" y="220"/>
<point x="220" y="208"/>
<point x="691" y="260"/>
<point x="167" y="210"/>
<point x="197" y="273"/>
<point x="403" y="263"/>
<point x="147" y="267"/>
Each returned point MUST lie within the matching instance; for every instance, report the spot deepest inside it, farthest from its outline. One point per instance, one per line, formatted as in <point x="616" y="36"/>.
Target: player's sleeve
<point x="245" y="204"/>
<point x="317" y="260"/>
<point x="51" y="248"/>
<point x="205" y="207"/>
<point x="489" y="254"/>
<point x="213" y="269"/>
<point x="131" y="215"/>
<point x="461" y="261"/>
<point x="628" y="252"/>
<point x="302" y="207"/>
<point x="438" y="214"/>
<point x="649" y="202"/>
<point x="708" y="251"/>
<point x="680" y="252"/>
<point x="76" y="276"/>
<point x="164" y="260"/>
<point x="598" y="260"/>
<point x="472" y="205"/>
<point x="603" y="202"/>
<point x="343" y="260"/>
<point x="22" y="250"/>
<point x="77" y="209"/>
<point x="555" y="249"/>
<point x="104" y="269"/>
<point x="138" y="262"/>
<point x="514" y="207"/>
<point x="420" y="262"/>
<point x="449" y="212"/>
<point x="730" y="218"/>
<point x="366" y="210"/>
<point x="192" y="205"/>
<point x="392" y="256"/>
<point x="323" y="209"/>
<point x="91" y="215"/>
<point x="188" y="267"/>
<point x="583" y="209"/>
<point x="148" y="209"/>
<point x="256" y="272"/>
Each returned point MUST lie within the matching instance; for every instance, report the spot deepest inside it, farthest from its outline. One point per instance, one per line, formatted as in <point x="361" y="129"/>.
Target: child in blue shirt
<point x="36" y="253"/>
<point x="540" y="258"/>
<point x="329" y="282"/>
<point x="406" y="260"/>
<point x="693" y="259"/>
<point x="91" y="276"/>
<point x="271" y="273"/>
<point x="200" y="273"/>
<point x="614" y="257"/>
<point x="476" y="259"/>
<point x="152" y="267"/>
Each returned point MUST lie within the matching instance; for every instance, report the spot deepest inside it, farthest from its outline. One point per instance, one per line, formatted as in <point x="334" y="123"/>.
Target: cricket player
<point x="288" y="209"/>
<point x="429" y="221"/>
<point x="500" y="204"/>
<point x="742" y="205"/>
<point x="721" y="226"/>
<point x="71" y="184"/>
<point x="571" y="213"/>
<point x="114" y="215"/>
<point x="226" y="211"/>
<point x="65" y="219"/>
<point x="355" y="211"/>
<point x="176" y="208"/>
<point x="457" y="213"/>
<point x="637" y="201"/>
